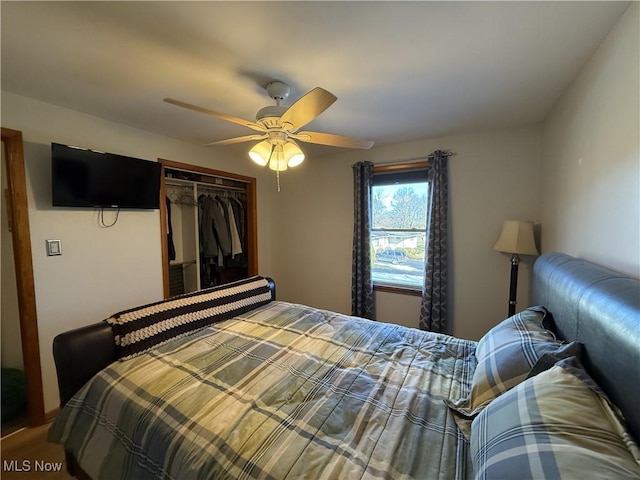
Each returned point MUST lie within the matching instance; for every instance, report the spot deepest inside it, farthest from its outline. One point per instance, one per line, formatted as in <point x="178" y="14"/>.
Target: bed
<point x="231" y="383"/>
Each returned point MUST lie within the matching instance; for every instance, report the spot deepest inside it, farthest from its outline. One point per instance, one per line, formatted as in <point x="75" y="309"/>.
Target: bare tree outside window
<point x="399" y="221"/>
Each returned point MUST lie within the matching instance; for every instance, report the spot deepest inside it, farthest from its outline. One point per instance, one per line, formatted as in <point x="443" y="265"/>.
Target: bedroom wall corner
<point x="590" y="189"/>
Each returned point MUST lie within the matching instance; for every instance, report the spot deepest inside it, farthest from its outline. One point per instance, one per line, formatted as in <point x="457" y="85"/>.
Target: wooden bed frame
<point x="589" y="304"/>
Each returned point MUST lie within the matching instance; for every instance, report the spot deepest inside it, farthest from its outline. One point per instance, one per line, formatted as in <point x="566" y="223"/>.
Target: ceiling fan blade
<point x="333" y="140"/>
<point x="223" y="116"/>
<point x="308" y="107"/>
<point x="231" y="141"/>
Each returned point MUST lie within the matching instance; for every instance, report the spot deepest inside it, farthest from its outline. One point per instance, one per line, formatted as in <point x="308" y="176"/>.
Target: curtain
<point x="361" y="283"/>
<point x="433" y="309"/>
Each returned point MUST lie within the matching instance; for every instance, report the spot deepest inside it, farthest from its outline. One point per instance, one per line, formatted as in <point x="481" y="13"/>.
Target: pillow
<point x="141" y="329"/>
<point x="505" y="356"/>
<point x="557" y="425"/>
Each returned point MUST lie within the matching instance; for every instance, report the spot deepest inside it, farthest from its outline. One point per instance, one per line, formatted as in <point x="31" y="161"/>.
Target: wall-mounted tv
<point x="87" y="178"/>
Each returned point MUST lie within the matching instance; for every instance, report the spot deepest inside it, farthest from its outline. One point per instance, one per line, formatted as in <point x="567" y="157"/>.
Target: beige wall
<point x="590" y="193"/>
<point x="494" y="176"/>
<point x="101" y="270"/>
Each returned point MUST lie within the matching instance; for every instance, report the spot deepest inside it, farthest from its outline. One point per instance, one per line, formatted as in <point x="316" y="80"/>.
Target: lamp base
<point x="513" y="285"/>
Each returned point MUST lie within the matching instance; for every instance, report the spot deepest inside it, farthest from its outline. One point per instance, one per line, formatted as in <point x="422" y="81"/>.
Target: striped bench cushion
<point x="141" y="329"/>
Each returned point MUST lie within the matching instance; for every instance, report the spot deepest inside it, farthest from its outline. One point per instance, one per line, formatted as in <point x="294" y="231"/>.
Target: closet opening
<point x="209" y="227"/>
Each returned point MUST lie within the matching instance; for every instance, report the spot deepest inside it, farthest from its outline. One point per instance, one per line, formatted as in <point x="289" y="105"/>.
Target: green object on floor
<point x="14" y="398"/>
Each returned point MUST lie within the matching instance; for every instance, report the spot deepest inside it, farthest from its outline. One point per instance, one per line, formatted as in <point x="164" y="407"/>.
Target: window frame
<point x="389" y="169"/>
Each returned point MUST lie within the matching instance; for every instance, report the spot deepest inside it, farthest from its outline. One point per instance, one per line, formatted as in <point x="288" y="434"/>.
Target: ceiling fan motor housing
<point x="278" y="90"/>
<point x="271" y="111"/>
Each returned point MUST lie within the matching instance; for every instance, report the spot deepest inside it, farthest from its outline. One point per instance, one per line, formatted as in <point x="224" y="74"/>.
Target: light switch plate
<point x="54" y="247"/>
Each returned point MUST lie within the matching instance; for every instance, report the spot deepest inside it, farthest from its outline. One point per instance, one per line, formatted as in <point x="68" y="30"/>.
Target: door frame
<point x="18" y="214"/>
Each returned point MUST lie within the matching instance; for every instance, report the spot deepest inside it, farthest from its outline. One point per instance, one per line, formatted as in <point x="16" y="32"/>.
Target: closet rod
<point x="175" y="169"/>
<point x="205" y="187"/>
<point x="178" y="182"/>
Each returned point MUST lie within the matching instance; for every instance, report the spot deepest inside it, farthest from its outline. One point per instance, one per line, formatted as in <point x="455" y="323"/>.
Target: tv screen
<point x="87" y="178"/>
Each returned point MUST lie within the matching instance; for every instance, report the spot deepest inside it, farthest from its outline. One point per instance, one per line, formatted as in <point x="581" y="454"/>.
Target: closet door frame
<point x="252" y="215"/>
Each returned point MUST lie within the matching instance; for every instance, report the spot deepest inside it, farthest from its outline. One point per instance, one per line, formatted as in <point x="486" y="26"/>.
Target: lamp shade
<point x="292" y="154"/>
<point x="260" y="153"/>
<point x="516" y="237"/>
<point x="278" y="162"/>
<point x="278" y="155"/>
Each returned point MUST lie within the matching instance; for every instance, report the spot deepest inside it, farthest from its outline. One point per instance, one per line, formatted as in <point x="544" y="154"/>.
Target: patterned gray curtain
<point x="433" y="310"/>
<point x="361" y="283"/>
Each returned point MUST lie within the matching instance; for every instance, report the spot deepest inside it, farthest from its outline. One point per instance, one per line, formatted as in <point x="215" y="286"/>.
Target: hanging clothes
<point x="208" y="241"/>
<point x="239" y="211"/>
<point x="171" y="246"/>
<point x="236" y="245"/>
<point x="220" y="226"/>
<point x="220" y="216"/>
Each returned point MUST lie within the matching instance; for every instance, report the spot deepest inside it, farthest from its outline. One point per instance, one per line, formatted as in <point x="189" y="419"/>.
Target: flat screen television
<point x="87" y="178"/>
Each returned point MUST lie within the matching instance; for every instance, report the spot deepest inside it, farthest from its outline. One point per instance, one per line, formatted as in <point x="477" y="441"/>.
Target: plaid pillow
<point x="141" y="329"/>
<point x="558" y="425"/>
<point x="505" y="356"/>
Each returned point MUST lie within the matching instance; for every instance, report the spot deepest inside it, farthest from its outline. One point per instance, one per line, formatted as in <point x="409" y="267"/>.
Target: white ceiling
<point x="401" y="70"/>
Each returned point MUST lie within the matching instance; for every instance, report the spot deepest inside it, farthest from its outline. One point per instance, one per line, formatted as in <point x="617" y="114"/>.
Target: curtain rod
<point x="416" y="159"/>
<point x="446" y="153"/>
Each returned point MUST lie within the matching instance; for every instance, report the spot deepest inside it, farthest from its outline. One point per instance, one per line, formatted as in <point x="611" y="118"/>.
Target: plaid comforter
<point x="284" y="391"/>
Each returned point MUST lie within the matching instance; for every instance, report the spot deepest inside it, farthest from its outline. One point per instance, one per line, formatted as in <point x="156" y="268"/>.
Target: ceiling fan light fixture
<point x="293" y="154"/>
<point x="260" y="153"/>
<point x="278" y="162"/>
<point x="279" y="124"/>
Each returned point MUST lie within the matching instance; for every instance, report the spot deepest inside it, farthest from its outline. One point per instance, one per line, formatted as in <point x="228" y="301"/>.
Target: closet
<point x="208" y="221"/>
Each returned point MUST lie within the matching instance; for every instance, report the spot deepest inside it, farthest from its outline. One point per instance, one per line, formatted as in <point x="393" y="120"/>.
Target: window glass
<point x="398" y="234"/>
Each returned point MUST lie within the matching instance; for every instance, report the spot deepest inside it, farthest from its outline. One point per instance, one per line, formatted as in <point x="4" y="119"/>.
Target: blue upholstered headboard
<point x="601" y="309"/>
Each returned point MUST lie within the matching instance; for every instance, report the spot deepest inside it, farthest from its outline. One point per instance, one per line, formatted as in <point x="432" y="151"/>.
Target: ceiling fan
<point x="279" y="127"/>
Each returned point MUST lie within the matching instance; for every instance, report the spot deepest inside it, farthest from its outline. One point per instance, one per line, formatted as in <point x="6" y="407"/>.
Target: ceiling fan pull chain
<point x="278" y="179"/>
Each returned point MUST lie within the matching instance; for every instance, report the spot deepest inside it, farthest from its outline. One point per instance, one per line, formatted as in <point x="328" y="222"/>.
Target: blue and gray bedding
<point x="226" y="383"/>
<point x="278" y="392"/>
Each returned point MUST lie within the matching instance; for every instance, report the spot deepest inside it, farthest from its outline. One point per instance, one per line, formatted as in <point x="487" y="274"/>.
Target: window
<point x="399" y="201"/>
